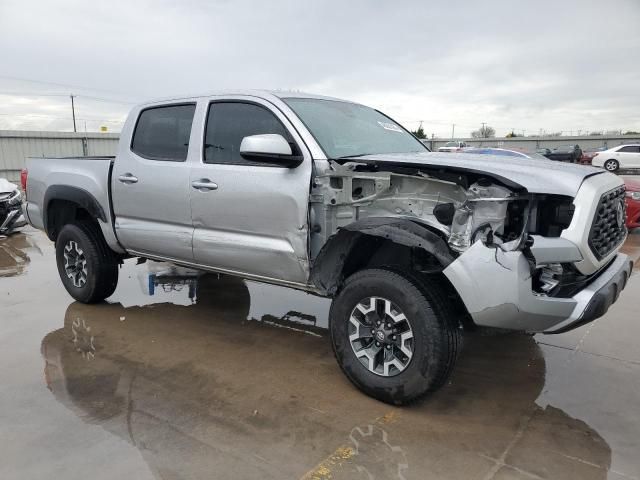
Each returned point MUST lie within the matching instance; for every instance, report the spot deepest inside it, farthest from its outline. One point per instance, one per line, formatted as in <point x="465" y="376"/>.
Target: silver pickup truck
<point x="339" y="200"/>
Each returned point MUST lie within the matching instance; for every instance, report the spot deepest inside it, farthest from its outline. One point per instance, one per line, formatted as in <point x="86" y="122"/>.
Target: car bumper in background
<point x="633" y="213"/>
<point x="11" y="216"/>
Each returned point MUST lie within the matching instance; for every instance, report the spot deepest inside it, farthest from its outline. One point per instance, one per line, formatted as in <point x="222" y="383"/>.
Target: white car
<point x="622" y="156"/>
<point x="453" y="147"/>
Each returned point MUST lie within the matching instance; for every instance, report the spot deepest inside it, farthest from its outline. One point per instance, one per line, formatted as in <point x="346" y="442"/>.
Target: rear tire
<point x="611" y="165"/>
<point x="87" y="266"/>
<point x="404" y="366"/>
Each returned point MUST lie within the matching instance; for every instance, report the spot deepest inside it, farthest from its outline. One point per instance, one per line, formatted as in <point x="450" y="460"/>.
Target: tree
<point x="484" y="132"/>
<point x="419" y="133"/>
<point x="631" y="132"/>
<point x="513" y="134"/>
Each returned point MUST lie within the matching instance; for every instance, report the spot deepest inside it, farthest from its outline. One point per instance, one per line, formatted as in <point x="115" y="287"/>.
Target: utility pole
<point x="482" y="131"/>
<point x="73" y="113"/>
<point x="453" y="130"/>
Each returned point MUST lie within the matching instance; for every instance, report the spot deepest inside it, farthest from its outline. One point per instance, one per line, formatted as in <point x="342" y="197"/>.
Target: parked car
<point x="622" y="156"/>
<point x="543" y="151"/>
<point x="632" y="202"/>
<point x="453" y="147"/>
<point x="337" y="199"/>
<point x="587" y="156"/>
<point x="503" y="152"/>
<point x="565" y="153"/>
<point x="11" y="217"/>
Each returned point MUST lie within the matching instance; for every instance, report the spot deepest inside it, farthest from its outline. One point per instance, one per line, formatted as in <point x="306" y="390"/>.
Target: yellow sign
<point x="103" y="128"/>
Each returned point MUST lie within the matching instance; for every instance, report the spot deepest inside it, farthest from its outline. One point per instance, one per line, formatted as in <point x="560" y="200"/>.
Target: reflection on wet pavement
<point x="184" y="375"/>
<point x="14" y="254"/>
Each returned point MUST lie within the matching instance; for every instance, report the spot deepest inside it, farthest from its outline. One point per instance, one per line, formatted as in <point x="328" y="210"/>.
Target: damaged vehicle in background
<point x="337" y="199"/>
<point x="11" y="216"/>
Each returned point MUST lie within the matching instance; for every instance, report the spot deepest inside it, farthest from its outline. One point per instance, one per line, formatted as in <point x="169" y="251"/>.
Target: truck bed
<point x="64" y="174"/>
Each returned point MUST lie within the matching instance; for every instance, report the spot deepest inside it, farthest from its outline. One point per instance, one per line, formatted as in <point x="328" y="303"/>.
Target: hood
<point x="536" y="175"/>
<point x="6" y="186"/>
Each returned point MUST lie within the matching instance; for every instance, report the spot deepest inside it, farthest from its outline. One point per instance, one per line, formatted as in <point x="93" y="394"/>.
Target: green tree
<point x="419" y="133"/>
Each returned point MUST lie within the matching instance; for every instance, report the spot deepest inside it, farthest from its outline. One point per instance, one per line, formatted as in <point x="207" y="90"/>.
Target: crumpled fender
<point x="326" y="270"/>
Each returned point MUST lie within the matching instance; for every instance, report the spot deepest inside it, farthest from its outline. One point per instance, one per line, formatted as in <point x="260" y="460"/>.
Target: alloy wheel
<point x="75" y="264"/>
<point x="381" y="336"/>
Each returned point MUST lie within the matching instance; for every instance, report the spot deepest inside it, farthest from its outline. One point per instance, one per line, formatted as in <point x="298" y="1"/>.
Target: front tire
<point x="611" y="165"/>
<point x="395" y="338"/>
<point x="87" y="266"/>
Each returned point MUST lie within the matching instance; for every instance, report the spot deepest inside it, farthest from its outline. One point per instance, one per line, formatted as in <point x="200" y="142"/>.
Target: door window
<point x="630" y="149"/>
<point x="162" y="133"/>
<point x="229" y="122"/>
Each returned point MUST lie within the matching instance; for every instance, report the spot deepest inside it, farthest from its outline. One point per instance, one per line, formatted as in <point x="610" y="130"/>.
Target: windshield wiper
<point x="353" y="156"/>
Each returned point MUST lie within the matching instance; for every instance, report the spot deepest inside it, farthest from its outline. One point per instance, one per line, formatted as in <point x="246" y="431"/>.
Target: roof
<point x="265" y="94"/>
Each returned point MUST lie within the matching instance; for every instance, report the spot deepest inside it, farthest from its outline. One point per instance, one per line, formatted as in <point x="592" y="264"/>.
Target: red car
<point x="633" y="202"/>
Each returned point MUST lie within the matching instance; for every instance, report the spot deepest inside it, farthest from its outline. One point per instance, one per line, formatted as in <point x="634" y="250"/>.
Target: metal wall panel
<point x="17" y="145"/>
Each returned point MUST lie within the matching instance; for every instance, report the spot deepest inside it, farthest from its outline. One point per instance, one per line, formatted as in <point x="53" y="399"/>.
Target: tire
<point x="94" y="276"/>
<point x="611" y="165"/>
<point x="424" y="310"/>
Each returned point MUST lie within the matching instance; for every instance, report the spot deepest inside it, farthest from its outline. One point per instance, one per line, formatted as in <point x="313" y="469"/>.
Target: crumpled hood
<point x="536" y="175"/>
<point x="6" y="186"/>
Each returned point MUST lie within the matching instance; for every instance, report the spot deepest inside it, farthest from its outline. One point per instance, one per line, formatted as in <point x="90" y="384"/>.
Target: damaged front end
<point x="11" y="214"/>
<point x="500" y="247"/>
<point x="460" y="208"/>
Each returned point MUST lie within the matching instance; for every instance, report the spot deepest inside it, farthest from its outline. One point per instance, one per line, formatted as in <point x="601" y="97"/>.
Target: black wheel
<point x="611" y="165"/>
<point x="87" y="266"/>
<point x="394" y="337"/>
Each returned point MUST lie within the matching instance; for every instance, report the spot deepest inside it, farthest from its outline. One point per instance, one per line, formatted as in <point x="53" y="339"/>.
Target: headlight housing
<point x="633" y="195"/>
<point x="11" y="198"/>
<point x="487" y="214"/>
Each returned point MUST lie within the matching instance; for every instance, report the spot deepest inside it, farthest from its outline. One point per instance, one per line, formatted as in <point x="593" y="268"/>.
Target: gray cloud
<point x="524" y="65"/>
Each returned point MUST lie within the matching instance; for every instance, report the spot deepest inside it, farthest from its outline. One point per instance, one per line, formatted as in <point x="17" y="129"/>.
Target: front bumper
<point x="495" y="286"/>
<point x="598" y="296"/>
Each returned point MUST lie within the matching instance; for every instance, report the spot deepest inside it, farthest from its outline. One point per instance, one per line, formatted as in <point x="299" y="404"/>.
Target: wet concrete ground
<point x="218" y="378"/>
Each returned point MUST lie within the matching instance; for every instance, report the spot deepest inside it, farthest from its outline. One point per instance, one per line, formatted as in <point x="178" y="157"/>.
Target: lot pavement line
<point x="324" y="469"/>
<point x="608" y="357"/>
<point x="500" y="461"/>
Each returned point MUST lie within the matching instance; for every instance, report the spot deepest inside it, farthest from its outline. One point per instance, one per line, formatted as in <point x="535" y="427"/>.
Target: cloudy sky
<point x="569" y="65"/>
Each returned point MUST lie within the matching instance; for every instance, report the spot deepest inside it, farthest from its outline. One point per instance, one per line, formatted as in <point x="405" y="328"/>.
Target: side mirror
<point x="269" y="148"/>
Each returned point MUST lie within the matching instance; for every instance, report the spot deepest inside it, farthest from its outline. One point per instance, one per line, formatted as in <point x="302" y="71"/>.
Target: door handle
<point x="204" y="184"/>
<point x="128" y="178"/>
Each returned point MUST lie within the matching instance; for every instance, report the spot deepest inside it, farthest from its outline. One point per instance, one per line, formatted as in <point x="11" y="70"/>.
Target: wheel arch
<point x="378" y="242"/>
<point x="64" y="204"/>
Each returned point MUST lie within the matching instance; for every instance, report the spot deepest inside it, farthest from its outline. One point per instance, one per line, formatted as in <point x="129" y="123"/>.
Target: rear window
<point x="162" y="133"/>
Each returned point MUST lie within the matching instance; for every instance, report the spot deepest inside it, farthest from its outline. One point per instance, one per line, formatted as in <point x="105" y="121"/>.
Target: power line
<point x="57" y="84"/>
<point x="100" y="99"/>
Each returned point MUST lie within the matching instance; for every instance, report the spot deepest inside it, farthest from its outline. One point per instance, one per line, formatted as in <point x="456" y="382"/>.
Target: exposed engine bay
<point x="461" y="208"/>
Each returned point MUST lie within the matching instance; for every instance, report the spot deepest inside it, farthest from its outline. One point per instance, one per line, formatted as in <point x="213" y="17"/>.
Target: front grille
<point x="608" y="230"/>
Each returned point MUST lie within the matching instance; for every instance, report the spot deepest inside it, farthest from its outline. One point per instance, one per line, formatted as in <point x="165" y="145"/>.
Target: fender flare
<point x="76" y="195"/>
<point x="326" y="271"/>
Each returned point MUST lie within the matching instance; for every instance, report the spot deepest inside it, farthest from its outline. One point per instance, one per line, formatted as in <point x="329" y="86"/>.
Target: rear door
<point x="150" y="183"/>
<point x="629" y="156"/>
<point x="253" y="219"/>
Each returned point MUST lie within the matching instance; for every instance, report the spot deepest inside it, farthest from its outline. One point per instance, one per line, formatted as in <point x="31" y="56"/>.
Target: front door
<point x="249" y="217"/>
<point x="150" y="184"/>
<point x="629" y="156"/>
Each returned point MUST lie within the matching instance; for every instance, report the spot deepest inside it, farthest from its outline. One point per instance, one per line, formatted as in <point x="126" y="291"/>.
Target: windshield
<point x="350" y="130"/>
<point x="451" y="144"/>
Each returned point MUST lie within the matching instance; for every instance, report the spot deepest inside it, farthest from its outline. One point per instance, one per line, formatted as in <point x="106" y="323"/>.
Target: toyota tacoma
<point x="339" y="200"/>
